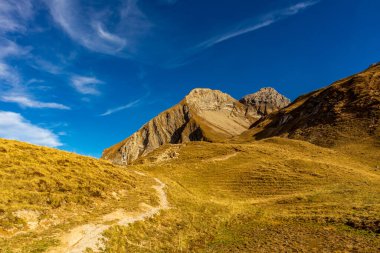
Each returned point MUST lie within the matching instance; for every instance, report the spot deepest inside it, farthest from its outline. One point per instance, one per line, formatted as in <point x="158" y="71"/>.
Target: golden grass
<point x="63" y="189"/>
<point x="273" y="195"/>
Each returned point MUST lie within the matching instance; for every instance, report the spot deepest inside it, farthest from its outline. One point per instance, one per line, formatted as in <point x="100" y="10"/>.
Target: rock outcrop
<point x="264" y="102"/>
<point x="203" y="115"/>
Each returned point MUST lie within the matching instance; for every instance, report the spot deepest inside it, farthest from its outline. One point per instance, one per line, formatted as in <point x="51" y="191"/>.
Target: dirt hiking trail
<point x="90" y="235"/>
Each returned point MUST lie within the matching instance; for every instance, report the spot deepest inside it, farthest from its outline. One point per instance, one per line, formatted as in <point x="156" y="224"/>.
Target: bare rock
<point x="264" y="102"/>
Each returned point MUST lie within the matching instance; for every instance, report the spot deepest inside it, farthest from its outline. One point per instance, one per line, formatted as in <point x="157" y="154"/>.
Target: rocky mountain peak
<point x="265" y="101"/>
<point x="267" y="90"/>
<point x="203" y="115"/>
<point x="201" y="99"/>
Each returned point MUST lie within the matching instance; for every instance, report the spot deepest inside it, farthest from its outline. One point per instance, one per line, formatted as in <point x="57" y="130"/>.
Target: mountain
<point x="203" y="115"/>
<point x="264" y="102"/>
<point x="347" y="110"/>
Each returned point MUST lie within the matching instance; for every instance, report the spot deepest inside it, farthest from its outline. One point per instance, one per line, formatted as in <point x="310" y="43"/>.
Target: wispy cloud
<point x="253" y="25"/>
<point x="8" y="75"/>
<point x="46" y="66"/>
<point x="121" y="108"/>
<point x="118" y="42"/>
<point x="246" y="26"/>
<point x="13" y="18"/>
<point x="14" y="126"/>
<point x="86" y="85"/>
<point x="89" y="27"/>
<point x="14" y="14"/>
<point x="24" y="101"/>
<point x="12" y="88"/>
<point x="9" y="48"/>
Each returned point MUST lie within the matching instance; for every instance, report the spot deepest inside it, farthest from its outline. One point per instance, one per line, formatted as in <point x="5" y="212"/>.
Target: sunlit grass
<point x="63" y="189"/>
<point x="273" y="195"/>
<point x="265" y="196"/>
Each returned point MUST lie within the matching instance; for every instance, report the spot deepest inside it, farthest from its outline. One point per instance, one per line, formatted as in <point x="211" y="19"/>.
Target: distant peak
<point x="202" y="91"/>
<point x="267" y="90"/>
<point x="265" y="101"/>
<point x="208" y="99"/>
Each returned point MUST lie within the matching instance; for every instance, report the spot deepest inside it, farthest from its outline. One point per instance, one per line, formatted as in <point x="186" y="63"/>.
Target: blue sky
<point x="83" y="75"/>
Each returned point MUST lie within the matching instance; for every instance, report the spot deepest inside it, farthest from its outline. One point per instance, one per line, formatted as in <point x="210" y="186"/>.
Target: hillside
<point x="46" y="192"/>
<point x="274" y="195"/>
<point x="203" y="115"/>
<point x="346" y="111"/>
<point x="258" y="193"/>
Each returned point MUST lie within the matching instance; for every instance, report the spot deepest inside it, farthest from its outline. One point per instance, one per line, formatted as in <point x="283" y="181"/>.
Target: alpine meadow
<point x="189" y="126"/>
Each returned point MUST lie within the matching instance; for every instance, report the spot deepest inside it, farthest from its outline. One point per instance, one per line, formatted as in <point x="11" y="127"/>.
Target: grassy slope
<point x="62" y="190"/>
<point x="266" y="196"/>
<point x="344" y="112"/>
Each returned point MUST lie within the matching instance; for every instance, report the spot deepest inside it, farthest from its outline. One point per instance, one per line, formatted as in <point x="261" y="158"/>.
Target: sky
<point x="82" y="75"/>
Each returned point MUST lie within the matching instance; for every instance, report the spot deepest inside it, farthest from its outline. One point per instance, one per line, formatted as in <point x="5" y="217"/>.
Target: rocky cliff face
<point x="264" y="102"/>
<point x="204" y="114"/>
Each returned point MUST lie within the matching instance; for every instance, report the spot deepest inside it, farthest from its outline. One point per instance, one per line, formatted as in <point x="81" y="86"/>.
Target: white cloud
<point x="120" y="108"/>
<point x="88" y="26"/>
<point x="14" y="14"/>
<point x="14" y="126"/>
<point x="9" y="48"/>
<point x="86" y="85"/>
<point x="294" y="9"/>
<point x="44" y="65"/>
<point x="102" y="33"/>
<point x="267" y="20"/>
<point x="12" y="88"/>
<point x="31" y="103"/>
<point x="8" y="75"/>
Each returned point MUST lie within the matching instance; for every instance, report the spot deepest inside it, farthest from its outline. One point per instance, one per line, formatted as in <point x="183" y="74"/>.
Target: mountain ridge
<point x="203" y="115"/>
<point x="347" y="109"/>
